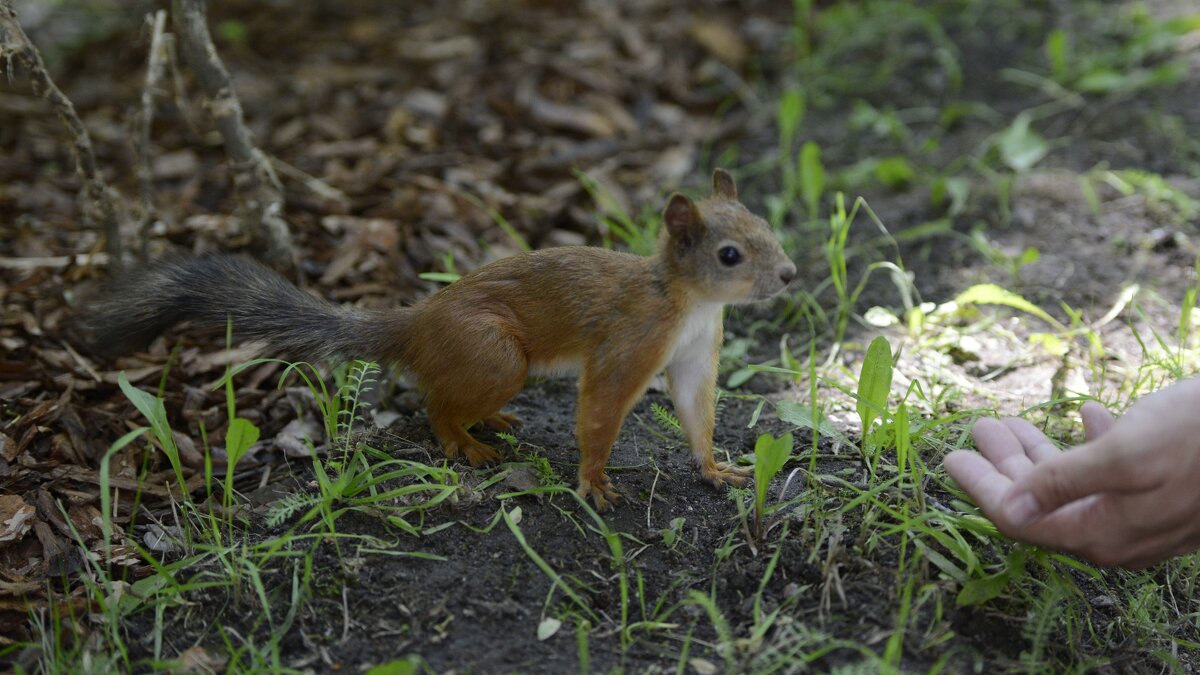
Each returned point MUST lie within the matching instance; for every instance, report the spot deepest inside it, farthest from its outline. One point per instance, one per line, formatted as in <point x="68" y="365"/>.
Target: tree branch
<point x="99" y="202"/>
<point x="259" y="193"/>
<point x="154" y="72"/>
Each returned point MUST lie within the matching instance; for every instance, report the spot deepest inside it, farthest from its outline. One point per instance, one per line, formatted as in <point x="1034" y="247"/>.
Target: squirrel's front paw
<point x="600" y="490"/>
<point x="719" y="474"/>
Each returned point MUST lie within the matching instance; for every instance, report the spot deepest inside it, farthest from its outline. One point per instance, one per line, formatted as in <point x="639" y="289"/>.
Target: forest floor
<point x="1031" y="177"/>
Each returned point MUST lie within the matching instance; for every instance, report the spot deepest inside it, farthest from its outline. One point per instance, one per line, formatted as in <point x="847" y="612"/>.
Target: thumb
<point x="1097" y="420"/>
<point x="1098" y="466"/>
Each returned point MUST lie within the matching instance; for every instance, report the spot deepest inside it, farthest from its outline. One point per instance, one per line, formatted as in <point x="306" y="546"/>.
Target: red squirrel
<point x="618" y="319"/>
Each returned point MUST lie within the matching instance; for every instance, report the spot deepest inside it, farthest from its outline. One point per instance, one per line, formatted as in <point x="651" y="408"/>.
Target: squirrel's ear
<point x="723" y="185"/>
<point x="681" y="218"/>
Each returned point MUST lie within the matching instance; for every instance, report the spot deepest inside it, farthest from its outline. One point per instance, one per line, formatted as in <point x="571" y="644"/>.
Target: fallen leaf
<point x="8" y="447"/>
<point x="175" y="165"/>
<point x="521" y="478"/>
<point x="16" y="518"/>
<point x="188" y="453"/>
<point x="721" y="41"/>
<point x="562" y="115"/>
<point x="384" y="418"/>
<point x="162" y="539"/>
<point x="299" y="437"/>
<point x="458" y="47"/>
<point x="547" y="628"/>
<point x="197" y="660"/>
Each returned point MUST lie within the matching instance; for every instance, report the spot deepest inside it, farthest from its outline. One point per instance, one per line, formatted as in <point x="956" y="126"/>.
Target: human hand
<point x="1129" y="496"/>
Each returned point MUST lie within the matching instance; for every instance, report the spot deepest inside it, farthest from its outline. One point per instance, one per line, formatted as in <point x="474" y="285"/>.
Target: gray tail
<point x="213" y="290"/>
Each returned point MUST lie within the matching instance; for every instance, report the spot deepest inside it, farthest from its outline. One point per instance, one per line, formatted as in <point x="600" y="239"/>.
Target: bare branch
<point x="99" y="202"/>
<point x="182" y="103"/>
<point x="315" y="185"/>
<point x="154" y="72"/>
<point x="259" y="193"/>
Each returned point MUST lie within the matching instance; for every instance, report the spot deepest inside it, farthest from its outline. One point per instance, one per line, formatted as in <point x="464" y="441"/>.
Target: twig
<point x="154" y="71"/>
<point x="99" y="202"/>
<point x="259" y="193"/>
<point x="315" y="185"/>
<point x="82" y="362"/>
<point x="345" y="616"/>
<point x="54" y="262"/>
<point x="650" y="501"/>
<point x="183" y="104"/>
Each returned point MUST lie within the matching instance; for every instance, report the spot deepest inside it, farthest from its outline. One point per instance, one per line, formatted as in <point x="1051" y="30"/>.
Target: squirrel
<point x="619" y="318"/>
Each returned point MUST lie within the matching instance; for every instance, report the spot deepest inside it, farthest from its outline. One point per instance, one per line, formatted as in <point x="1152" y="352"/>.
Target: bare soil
<point x="417" y="114"/>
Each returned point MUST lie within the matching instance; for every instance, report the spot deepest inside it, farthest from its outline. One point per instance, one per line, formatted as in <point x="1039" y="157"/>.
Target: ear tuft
<point x="681" y="217"/>
<point x="723" y="185"/>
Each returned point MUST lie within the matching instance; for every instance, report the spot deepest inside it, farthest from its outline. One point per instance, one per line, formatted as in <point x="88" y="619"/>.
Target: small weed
<point x="673" y="533"/>
<point x="770" y="454"/>
<point x="1012" y="264"/>
<point x="1140" y="54"/>
<point x="666" y="420"/>
<point x="1161" y="196"/>
<point x="812" y="178"/>
<point x="791" y="112"/>
<point x="874" y="387"/>
<point x="640" y="239"/>
<point x="449" y="276"/>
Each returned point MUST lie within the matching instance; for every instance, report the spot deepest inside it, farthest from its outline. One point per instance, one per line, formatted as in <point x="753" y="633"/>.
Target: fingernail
<point x="1022" y="509"/>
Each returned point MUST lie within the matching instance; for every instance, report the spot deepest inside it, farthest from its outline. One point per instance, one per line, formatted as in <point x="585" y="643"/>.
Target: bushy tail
<point x="213" y="290"/>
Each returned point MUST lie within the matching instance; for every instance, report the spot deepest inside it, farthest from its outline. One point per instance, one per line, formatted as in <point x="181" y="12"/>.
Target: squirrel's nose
<point x="787" y="272"/>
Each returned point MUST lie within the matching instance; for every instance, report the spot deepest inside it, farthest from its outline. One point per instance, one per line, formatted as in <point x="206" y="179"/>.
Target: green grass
<point x="939" y="580"/>
<point x="218" y="550"/>
<point x="944" y="561"/>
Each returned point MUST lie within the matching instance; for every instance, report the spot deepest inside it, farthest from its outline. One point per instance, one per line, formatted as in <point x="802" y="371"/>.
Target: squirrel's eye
<point x="729" y="256"/>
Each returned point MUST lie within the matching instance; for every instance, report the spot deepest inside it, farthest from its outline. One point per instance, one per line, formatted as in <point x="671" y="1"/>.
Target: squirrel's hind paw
<point x="476" y="453"/>
<point x="502" y="421"/>
<point x="720" y="474"/>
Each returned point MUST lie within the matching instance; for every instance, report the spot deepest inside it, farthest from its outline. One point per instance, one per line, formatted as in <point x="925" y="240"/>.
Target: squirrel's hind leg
<point x="470" y="390"/>
<point x="456" y="442"/>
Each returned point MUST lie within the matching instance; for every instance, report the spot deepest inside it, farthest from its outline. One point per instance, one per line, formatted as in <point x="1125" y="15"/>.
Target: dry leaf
<point x="197" y="660"/>
<point x="721" y="41"/>
<point x="8" y="447"/>
<point x="16" y="518"/>
<point x="298" y="437"/>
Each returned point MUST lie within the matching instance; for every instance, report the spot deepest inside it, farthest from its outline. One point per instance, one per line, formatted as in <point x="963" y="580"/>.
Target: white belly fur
<point x="697" y="336"/>
<point x="695" y="341"/>
<point x="692" y="370"/>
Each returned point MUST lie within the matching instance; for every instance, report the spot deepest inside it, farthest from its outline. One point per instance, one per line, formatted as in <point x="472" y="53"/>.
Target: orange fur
<point x="620" y="317"/>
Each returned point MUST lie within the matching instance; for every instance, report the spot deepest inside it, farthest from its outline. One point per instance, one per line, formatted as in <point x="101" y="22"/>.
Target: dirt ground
<point x="426" y="120"/>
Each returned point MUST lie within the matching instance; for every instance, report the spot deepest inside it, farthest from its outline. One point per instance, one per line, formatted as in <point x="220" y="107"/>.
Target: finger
<point x="1079" y="527"/>
<point x="979" y="478"/>
<point x="1138" y="529"/>
<point x="1092" y="468"/>
<point x="1072" y="528"/>
<point x="1145" y="552"/>
<point x="1097" y="420"/>
<point x="1001" y="447"/>
<point x="1144" y="555"/>
<point x="1112" y="532"/>
<point x="1035" y="444"/>
<point x="1189" y="545"/>
<point x="1162" y="508"/>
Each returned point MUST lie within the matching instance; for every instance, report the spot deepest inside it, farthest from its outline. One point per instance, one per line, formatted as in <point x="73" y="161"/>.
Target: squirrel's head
<point x="728" y="254"/>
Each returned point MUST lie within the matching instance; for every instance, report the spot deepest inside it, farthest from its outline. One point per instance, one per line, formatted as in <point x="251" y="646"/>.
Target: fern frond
<point x="666" y="420"/>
